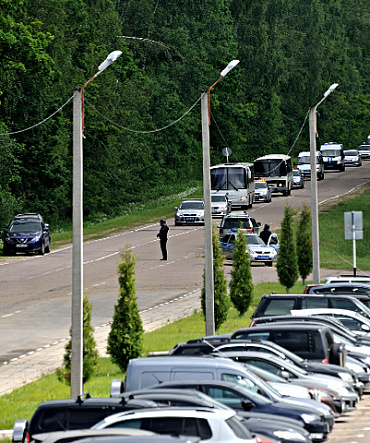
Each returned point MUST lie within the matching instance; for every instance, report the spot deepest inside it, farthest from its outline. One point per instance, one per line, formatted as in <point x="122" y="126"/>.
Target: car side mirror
<point x="365" y="328"/>
<point x="285" y="375"/>
<point x="176" y="208"/>
<point x="258" y="223"/>
<point x="247" y="405"/>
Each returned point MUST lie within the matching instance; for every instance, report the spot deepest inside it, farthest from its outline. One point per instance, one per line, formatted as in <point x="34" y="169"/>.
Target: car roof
<point x="279" y="325"/>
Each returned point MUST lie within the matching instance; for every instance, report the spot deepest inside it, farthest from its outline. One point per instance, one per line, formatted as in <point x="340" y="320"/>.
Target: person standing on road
<point x="162" y="235"/>
<point x="265" y="234"/>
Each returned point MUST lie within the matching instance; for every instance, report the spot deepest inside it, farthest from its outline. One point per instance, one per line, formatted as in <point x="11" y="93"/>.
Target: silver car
<point x="220" y="205"/>
<point x="258" y="250"/>
<point x="352" y="158"/>
<point x="190" y="212"/>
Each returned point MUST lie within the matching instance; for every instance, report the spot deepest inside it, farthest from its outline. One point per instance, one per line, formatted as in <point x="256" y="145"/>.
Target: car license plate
<point x="263" y="257"/>
<point x="21" y="246"/>
<point x="189" y="218"/>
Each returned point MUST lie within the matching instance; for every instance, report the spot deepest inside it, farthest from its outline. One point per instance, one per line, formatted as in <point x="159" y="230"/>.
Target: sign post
<point x="353" y="231"/>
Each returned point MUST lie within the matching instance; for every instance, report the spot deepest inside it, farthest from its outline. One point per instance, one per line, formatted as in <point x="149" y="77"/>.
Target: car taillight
<point x="325" y="361"/>
<point x="254" y="322"/>
<point x="262" y="439"/>
<point x="27" y="437"/>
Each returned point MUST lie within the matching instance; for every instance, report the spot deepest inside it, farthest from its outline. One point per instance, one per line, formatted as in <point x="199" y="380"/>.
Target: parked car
<point x="352" y="158"/>
<point x="238" y="220"/>
<point x="214" y="426"/>
<point x="359" y="290"/>
<point x="272" y="348"/>
<point x="283" y="430"/>
<point x="258" y="251"/>
<point x="298" y="180"/>
<point x="26" y="233"/>
<point x="349" y="279"/>
<point x="146" y="372"/>
<point x="262" y="193"/>
<point x="354" y="321"/>
<point x="190" y="212"/>
<point x="71" y="414"/>
<point x="240" y="398"/>
<point x="282" y="304"/>
<point x="80" y="434"/>
<point x="311" y="342"/>
<point x="220" y="205"/>
<point x="301" y="377"/>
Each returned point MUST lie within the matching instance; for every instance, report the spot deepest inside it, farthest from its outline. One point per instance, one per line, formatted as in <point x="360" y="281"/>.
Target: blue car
<point x="26" y="233"/>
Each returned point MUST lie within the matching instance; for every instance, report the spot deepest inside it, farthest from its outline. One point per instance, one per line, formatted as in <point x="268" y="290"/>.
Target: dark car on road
<point x="26" y="233"/>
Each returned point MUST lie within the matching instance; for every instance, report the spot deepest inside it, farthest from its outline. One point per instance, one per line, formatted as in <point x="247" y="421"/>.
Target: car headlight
<point x="289" y="435"/>
<point x="346" y="377"/>
<point x="309" y="418"/>
<point x="36" y="237"/>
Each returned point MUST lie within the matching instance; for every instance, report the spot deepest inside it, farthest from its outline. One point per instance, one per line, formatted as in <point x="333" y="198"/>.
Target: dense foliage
<point x="221" y="297"/>
<point x="125" y="339"/>
<point x="304" y="244"/>
<point x="287" y="262"/>
<point x="90" y="353"/>
<point x="290" y="52"/>
<point x="241" y="283"/>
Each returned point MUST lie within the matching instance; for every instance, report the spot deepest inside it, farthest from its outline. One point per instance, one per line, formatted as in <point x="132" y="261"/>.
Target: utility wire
<point x="43" y="121"/>
<point x="144" y="132"/>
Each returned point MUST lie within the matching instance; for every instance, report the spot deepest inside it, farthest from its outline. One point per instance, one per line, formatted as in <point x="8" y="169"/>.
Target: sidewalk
<point x="31" y="367"/>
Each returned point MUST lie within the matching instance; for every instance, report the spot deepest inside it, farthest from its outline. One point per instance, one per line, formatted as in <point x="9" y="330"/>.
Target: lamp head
<point x="112" y="57"/>
<point x="331" y="89"/>
<point x="229" y="67"/>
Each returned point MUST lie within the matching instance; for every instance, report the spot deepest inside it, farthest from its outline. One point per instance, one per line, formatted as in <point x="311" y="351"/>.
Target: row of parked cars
<point x="303" y="362"/>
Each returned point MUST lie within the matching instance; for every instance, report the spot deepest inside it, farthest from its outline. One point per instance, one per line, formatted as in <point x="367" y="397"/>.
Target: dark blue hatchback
<point x="26" y="234"/>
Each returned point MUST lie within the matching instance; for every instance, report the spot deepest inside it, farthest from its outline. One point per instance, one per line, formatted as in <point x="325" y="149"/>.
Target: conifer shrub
<point x="304" y="244"/>
<point x="125" y="339"/>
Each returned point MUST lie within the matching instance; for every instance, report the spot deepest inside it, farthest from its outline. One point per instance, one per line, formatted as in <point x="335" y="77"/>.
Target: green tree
<point x="286" y="264"/>
<point x="90" y="354"/>
<point x="241" y="285"/>
<point x="304" y="243"/>
<point x="221" y="298"/>
<point x="125" y="339"/>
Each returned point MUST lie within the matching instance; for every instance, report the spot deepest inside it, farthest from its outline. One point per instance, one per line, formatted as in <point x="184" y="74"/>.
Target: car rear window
<point x="279" y="307"/>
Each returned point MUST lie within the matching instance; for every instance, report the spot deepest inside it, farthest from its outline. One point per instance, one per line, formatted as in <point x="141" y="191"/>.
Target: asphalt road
<point x="35" y="291"/>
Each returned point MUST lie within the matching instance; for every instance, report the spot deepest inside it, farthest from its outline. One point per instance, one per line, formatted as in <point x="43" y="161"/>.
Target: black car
<point x="71" y="414"/>
<point x="26" y="233"/>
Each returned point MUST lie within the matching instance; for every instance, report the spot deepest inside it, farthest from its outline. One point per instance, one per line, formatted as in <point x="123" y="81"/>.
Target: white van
<point x="304" y="164"/>
<point x="333" y="155"/>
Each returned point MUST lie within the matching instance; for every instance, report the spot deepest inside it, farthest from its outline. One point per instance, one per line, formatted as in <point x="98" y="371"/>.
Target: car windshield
<point x="296" y="172"/>
<point x="192" y="205"/>
<point x="260" y="185"/>
<point x="352" y="152"/>
<point x="254" y="240"/>
<point x="365" y="148"/>
<point x="25" y="228"/>
<point x="218" y="198"/>
<point x="330" y="152"/>
<point x="305" y="160"/>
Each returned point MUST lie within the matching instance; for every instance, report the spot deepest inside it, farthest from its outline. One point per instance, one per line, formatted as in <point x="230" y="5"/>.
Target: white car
<point x="352" y="158"/>
<point x="220" y="204"/>
<point x="354" y="321"/>
<point x="190" y="212"/>
<point x="258" y="250"/>
<point x="211" y="425"/>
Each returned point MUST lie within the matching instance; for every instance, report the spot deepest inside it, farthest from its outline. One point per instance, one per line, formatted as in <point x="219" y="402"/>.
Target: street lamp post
<point x="208" y="250"/>
<point x="77" y="221"/>
<point x="314" y="200"/>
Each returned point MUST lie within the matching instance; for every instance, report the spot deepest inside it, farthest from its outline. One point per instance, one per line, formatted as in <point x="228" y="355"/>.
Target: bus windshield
<point x="228" y="178"/>
<point x="270" y="168"/>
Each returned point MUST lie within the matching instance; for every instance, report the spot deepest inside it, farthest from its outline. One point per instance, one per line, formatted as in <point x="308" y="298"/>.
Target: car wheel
<point x="42" y="250"/>
<point x="47" y="248"/>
